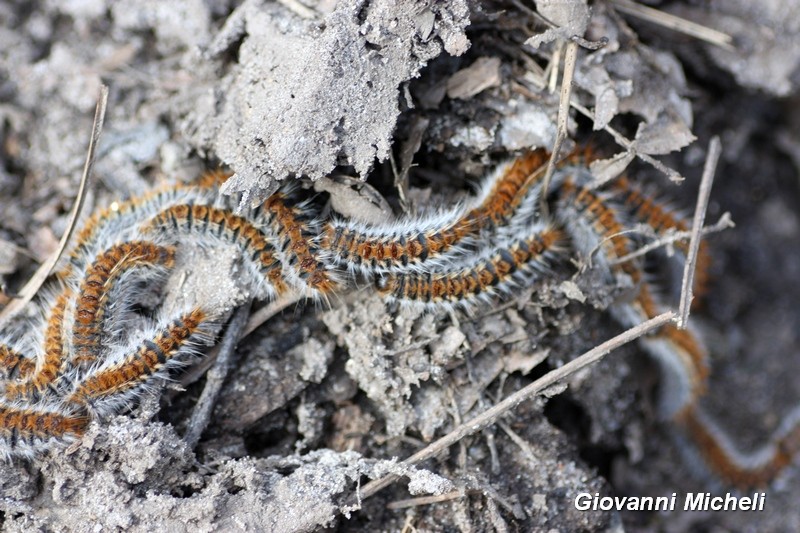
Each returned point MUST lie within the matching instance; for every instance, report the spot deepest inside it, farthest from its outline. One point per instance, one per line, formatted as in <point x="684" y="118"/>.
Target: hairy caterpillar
<point x="296" y="232"/>
<point x="26" y="430"/>
<point x="113" y="383"/>
<point x="207" y="221"/>
<point x="412" y="242"/>
<point x="497" y="272"/>
<point x="469" y="255"/>
<point x="661" y="219"/>
<point x="96" y="289"/>
<point x="48" y="366"/>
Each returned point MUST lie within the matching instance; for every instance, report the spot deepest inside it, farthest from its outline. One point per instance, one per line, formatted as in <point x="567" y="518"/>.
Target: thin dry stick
<point x="216" y="377"/>
<point x="570" y="59"/>
<point x="714" y="151"/>
<point x="724" y="222"/>
<point x="491" y="415"/>
<point x="43" y="272"/>
<point x="553" y="67"/>
<point x="427" y="500"/>
<point x="673" y="22"/>
<point x="270" y="310"/>
<point x="517" y="439"/>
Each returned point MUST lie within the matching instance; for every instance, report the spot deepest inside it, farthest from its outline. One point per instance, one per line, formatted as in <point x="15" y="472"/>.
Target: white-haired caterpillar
<point x="26" y="430"/>
<point x="411" y="242"/>
<point x="296" y="232"/>
<point x="593" y="224"/>
<point x="97" y="286"/>
<point x="681" y="355"/>
<point x="207" y="221"/>
<point x="107" y="386"/>
<point x="50" y="362"/>
<point x="494" y="273"/>
<point x="662" y="219"/>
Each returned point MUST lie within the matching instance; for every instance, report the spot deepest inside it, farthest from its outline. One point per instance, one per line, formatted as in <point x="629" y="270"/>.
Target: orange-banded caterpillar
<point x="14" y="364"/>
<point x="120" y="222"/>
<point x="206" y="221"/>
<point x="494" y="273"/>
<point x="120" y="378"/>
<point x="27" y="430"/>
<point x="296" y="231"/>
<point x="755" y="469"/>
<point x="662" y="219"/>
<point x="98" y="287"/>
<point x="49" y="364"/>
<point x="593" y="224"/>
<point x="413" y="242"/>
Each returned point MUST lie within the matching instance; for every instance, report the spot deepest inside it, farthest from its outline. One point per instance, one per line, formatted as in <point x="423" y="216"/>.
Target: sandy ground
<point x="422" y="99"/>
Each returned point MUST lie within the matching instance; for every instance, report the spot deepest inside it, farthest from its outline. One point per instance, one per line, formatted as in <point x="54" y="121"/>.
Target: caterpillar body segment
<point x="495" y="273"/>
<point x="28" y="430"/>
<point x="398" y="246"/>
<point x="420" y="243"/>
<point x="127" y="372"/>
<point x="51" y="360"/>
<point x="296" y="229"/>
<point x="14" y="364"/>
<point x="208" y="222"/>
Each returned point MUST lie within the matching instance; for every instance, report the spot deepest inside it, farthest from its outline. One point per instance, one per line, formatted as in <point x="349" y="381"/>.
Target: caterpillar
<point x="753" y="469"/>
<point x="412" y="242"/>
<point x="118" y="223"/>
<point x="469" y="255"/>
<point x="97" y="286"/>
<point x="661" y="219"/>
<point x="295" y="230"/>
<point x="682" y="357"/>
<point x="48" y="366"/>
<point x="495" y="273"/>
<point x="114" y="382"/>
<point x="26" y="431"/>
<point x="594" y="223"/>
<point x="207" y="221"/>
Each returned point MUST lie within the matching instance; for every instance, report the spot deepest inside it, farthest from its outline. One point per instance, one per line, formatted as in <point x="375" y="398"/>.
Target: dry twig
<point x="491" y="415"/>
<point x="43" y="272"/>
<point x="570" y="59"/>
<point x="427" y="500"/>
<point x="724" y="222"/>
<point x="714" y="151"/>
<point x="216" y="376"/>
<point x="667" y="20"/>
